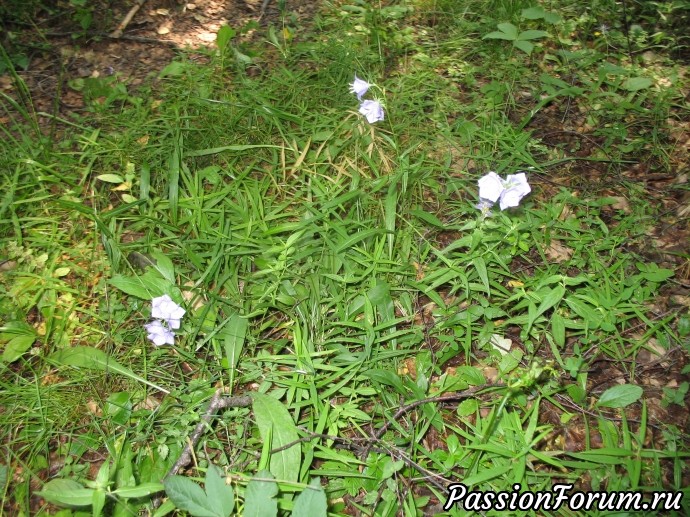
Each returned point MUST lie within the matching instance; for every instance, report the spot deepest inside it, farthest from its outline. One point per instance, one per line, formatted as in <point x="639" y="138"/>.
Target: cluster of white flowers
<point x="167" y="316"/>
<point x="508" y="192"/>
<point x="372" y="110"/>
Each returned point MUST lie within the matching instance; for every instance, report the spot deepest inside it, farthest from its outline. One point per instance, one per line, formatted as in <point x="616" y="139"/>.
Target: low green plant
<point x="388" y="332"/>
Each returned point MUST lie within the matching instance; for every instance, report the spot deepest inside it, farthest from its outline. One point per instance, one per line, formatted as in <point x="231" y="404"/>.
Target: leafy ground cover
<point x="357" y="334"/>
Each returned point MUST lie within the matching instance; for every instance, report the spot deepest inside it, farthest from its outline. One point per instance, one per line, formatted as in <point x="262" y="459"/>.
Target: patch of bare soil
<point x="666" y="242"/>
<point x="150" y="41"/>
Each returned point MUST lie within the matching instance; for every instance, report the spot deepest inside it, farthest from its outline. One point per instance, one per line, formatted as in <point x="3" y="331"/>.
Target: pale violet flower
<point x="159" y="334"/>
<point x="508" y="192"/>
<point x="485" y="206"/>
<point x="372" y="110"/>
<point x="165" y="309"/>
<point x="490" y="187"/>
<point x="359" y="87"/>
<point x="516" y="187"/>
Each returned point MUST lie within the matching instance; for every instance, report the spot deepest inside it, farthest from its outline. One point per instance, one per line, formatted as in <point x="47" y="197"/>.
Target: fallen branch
<point x="218" y="402"/>
<point x="128" y="18"/>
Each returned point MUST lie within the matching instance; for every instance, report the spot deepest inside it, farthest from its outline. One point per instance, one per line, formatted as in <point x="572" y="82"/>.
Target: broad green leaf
<point x="592" y="317"/>
<point x="480" y="266"/>
<point x="380" y="297"/>
<point x="97" y="503"/>
<point x="118" y="407"/>
<point x="532" y="34"/>
<point x="167" y="508"/>
<point x="146" y="286"/>
<point x="620" y="396"/>
<point x="656" y="274"/>
<point x="428" y="218"/>
<point x="532" y="13"/>
<point x="470" y="374"/>
<point x="111" y="178"/>
<point x="576" y="392"/>
<point x="259" y="497"/>
<point x="224" y="35"/>
<point x="66" y="492"/>
<point x="233" y="334"/>
<point x="510" y="361"/>
<point x="142" y="490"/>
<point x="509" y="30"/>
<point x="18" y="337"/>
<point x="525" y="46"/>
<point x="312" y="501"/>
<point x="637" y="83"/>
<point x="387" y="377"/>
<point x="552" y="298"/>
<point x="95" y="359"/>
<point x="189" y="496"/>
<point x="164" y="266"/>
<point x="390" y="467"/>
<point x="467" y="407"/>
<point x="558" y="329"/>
<point x="16" y="347"/>
<point x="174" y="69"/>
<point x="551" y="17"/>
<point x="498" y="35"/>
<point x="220" y="495"/>
<point x="103" y="475"/>
<point x="272" y="416"/>
<point x="125" y="469"/>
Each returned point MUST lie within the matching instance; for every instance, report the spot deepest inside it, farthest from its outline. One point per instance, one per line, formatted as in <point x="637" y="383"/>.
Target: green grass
<point x="342" y="270"/>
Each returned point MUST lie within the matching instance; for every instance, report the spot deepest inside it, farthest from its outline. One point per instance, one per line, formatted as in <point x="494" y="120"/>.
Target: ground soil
<point x="61" y="51"/>
<point x="162" y="27"/>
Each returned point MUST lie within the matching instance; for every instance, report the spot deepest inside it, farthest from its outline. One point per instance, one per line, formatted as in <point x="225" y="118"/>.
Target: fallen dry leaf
<point x="679" y="299"/>
<point x="557" y="252"/>
<point x="621" y="204"/>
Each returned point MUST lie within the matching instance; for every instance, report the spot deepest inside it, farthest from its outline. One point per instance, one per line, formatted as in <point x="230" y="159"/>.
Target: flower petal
<point x="372" y="110"/>
<point x="158" y="334"/>
<point x="518" y="181"/>
<point x="173" y="323"/>
<point x="490" y="187"/>
<point x="165" y="309"/>
<point x="484" y="205"/>
<point x="359" y="87"/>
<point x="510" y="198"/>
<point x="157" y="305"/>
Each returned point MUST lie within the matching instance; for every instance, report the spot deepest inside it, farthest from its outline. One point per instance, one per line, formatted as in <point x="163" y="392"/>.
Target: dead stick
<point x="217" y="402"/>
<point x="441" y="399"/>
<point x="128" y="18"/>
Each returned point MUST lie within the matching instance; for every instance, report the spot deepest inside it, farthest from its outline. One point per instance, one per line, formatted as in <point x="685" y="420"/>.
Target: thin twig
<point x="128" y="18"/>
<point x="455" y="397"/>
<point x="218" y="402"/>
